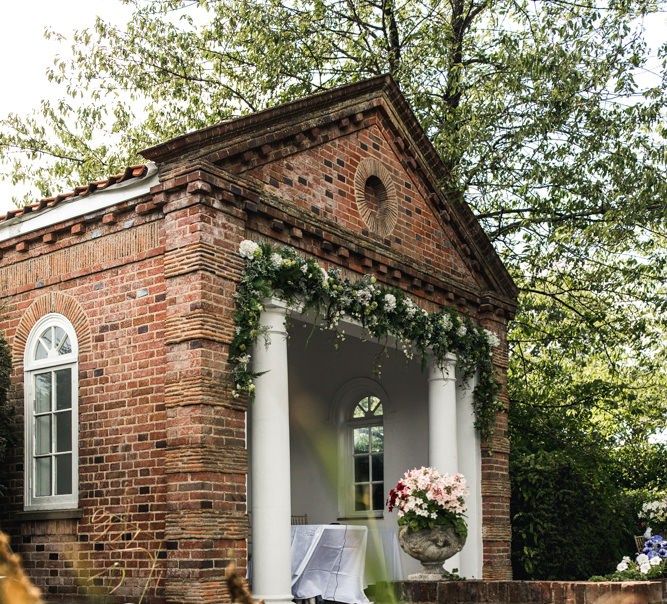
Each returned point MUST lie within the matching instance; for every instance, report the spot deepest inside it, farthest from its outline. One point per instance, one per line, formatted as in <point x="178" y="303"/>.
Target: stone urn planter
<point x="431" y="518"/>
<point x="432" y="547"/>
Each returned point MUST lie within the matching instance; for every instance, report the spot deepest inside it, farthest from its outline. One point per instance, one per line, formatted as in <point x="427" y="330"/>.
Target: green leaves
<point x="384" y="312"/>
<point x="7" y="431"/>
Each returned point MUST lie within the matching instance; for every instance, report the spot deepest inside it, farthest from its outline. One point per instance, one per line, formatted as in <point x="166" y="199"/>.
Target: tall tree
<point x="549" y="114"/>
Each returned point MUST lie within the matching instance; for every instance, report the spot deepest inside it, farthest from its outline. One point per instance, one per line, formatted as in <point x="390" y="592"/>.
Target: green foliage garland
<point x="385" y="312"/>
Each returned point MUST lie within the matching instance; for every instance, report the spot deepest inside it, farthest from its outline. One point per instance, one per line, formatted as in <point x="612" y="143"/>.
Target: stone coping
<point x="521" y="592"/>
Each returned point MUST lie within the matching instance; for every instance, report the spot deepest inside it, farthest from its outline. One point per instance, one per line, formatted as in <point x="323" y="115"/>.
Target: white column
<point x="470" y="465"/>
<point x="270" y="461"/>
<point x="442" y="425"/>
<point x="442" y="441"/>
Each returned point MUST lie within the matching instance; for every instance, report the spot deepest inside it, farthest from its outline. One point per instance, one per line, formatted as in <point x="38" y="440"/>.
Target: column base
<point x="274" y="599"/>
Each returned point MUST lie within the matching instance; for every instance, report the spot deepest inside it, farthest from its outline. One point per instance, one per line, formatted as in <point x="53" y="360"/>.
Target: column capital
<point x="273" y="316"/>
<point x="444" y="372"/>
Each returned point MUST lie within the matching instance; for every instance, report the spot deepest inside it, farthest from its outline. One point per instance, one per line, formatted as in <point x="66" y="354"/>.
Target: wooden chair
<point x="639" y="542"/>
<point x="299" y="518"/>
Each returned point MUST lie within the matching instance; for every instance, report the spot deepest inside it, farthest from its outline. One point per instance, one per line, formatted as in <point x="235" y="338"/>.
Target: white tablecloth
<point x="328" y="560"/>
<point x="383" y="557"/>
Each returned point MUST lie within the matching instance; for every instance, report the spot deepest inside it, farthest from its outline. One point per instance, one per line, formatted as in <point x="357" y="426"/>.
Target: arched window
<point x="367" y="443"/>
<point x="51" y="415"/>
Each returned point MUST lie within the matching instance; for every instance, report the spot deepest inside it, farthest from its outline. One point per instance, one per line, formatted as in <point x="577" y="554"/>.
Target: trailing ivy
<point x="384" y="312"/>
<point x="6" y="415"/>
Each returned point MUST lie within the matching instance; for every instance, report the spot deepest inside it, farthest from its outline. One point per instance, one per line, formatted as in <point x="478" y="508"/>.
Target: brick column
<point x="496" y="529"/>
<point x="206" y="459"/>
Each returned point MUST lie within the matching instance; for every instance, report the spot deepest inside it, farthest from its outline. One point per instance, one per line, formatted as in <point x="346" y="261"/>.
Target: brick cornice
<point x="272" y="217"/>
<point x="298" y="123"/>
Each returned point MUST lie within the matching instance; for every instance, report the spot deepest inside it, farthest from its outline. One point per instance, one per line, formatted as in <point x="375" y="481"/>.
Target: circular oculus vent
<point x="375" y="195"/>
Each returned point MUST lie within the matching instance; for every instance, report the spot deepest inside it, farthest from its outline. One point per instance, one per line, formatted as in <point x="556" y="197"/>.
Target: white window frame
<point x="31" y="367"/>
<point x="345" y="402"/>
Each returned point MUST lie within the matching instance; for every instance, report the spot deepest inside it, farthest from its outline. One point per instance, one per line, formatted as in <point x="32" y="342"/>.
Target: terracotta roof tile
<point x="138" y="171"/>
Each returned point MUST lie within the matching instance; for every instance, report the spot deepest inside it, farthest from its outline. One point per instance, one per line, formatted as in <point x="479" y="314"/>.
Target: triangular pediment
<point x="317" y="152"/>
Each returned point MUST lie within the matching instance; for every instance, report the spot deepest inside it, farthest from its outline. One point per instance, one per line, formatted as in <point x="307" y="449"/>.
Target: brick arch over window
<point x="54" y="302"/>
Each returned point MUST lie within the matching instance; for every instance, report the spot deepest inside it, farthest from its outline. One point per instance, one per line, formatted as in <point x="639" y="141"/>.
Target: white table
<point x="328" y="560"/>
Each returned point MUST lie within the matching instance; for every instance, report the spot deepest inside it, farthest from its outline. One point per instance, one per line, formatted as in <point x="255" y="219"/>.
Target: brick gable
<point x="321" y="179"/>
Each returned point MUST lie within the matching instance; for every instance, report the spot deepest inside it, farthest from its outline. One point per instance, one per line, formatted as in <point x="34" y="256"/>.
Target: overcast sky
<point x="25" y="55"/>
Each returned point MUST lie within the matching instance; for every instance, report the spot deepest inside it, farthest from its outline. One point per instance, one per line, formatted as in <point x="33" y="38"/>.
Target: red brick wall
<point x="321" y="180"/>
<point x="152" y="286"/>
<point x="110" y="283"/>
<point x="533" y="592"/>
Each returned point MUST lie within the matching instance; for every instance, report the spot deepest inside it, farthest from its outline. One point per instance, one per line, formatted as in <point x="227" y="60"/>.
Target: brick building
<point x="118" y="305"/>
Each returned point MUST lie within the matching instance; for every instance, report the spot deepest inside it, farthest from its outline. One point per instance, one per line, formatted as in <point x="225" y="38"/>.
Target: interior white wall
<point x="317" y="372"/>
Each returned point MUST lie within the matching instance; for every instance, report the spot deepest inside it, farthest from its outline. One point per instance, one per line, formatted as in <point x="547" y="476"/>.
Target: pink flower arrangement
<point x="425" y="498"/>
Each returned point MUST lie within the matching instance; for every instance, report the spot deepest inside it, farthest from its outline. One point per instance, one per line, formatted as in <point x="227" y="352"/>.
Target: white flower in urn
<point x="642" y="559"/>
<point x="622" y="566"/>
<point x="249" y="249"/>
<point x="492" y="338"/>
<point x="644" y="568"/>
<point x="655" y="561"/>
<point x="389" y="302"/>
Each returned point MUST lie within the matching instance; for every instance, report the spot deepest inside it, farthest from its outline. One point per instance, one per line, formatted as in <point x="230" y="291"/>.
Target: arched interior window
<point x="368" y="454"/>
<point x="51" y="415"/>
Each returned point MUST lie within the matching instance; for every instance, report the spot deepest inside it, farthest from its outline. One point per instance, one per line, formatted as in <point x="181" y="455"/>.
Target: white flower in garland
<point x="249" y="249"/>
<point x="410" y="308"/>
<point x="276" y="260"/>
<point x="461" y="330"/>
<point x="446" y="322"/>
<point x="325" y="276"/>
<point x="364" y="295"/>
<point x="304" y="268"/>
<point x="492" y="338"/>
<point x="389" y="302"/>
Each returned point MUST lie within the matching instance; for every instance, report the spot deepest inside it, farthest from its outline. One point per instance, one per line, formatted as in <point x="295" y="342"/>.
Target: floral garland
<point x="385" y="312"/>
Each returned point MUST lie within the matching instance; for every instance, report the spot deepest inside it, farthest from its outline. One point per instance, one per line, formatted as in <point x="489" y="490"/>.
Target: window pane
<point x="378" y="496"/>
<point x="362" y="497"/>
<point x="64" y="474"/>
<point x="361" y="440"/>
<point x="375" y="406"/>
<point x="47" y="337"/>
<point x="377" y="433"/>
<point x="42" y="434"/>
<point x="41" y="352"/>
<point x="42" y="392"/>
<point x="62" y="342"/>
<point x="361" y="469"/>
<point x="361" y="409"/>
<point x="378" y="467"/>
<point x="64" y="389"/>
<point x="43" y="476"/>
<point x="63" y="431"/>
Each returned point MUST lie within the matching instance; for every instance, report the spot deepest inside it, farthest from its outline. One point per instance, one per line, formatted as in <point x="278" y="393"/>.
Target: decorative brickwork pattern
<point x="53" y="302"/>
<point x="380" y="219"/>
